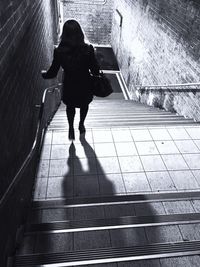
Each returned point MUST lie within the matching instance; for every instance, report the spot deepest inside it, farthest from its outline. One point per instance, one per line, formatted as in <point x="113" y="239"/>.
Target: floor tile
<point x="178" y="207"/>
<point x="194" y="132"/>
<point x="162" y="234"/>
<point x="122" y="136"/>
<point x="167" y="147"/>
<point x="197" y="143"/>
<point x="111" y="184"/>
<point x="196" y="204"/>
<point x="136" y="182"/>
<point x="50" y="243"/>
<point x="130" y="164"/>
<point x="48" y="138"/>
<point x="140" y="263"/>
<point x="43" y="169"/>
<point x="141" y="135"/>
<point x="196" y="174"/>
<point x="87" y="213"/>
<point x="128" y="237"/>
<point x="193" y="160"/>
<point x="60" y="138"/>
<point x="105" y="150"/>
<point x="91" y="240"/>
<point x="60" y="167"/>
<point x="190" y="231"/>
<point x="121" y="210"/>
<point x="40" y="188"/>
<point x="187" y="146"/>
<point x="178" y="133"/>
<point x="190" y="261"/>
<point x="153" y="163"/>
<point x="86" y="185"/>
<point x="45" y="153"/>
<point x="60" y="151"/>
<point x="184" y="180"/>
<point x="146" y="148"/>
<point x="84" y="151"/>
<point x="160" y="181"/>
<point x="126" y="149"/>
<point x="84" y="166"/>
<point x="108" y="165"/>
<point x="149" y="209"/>
<point x="174" y="162"/>
<point x="102" y="136"/>
<point x="52" y="215"/>
<point x="160" y="134"/>
<point x="60" y="187"/>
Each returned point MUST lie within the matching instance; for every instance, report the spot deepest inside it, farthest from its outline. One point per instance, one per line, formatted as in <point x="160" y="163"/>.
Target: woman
<point x="77" y="60"/>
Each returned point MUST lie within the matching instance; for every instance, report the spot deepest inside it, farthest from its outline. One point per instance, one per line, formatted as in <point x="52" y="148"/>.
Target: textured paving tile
<point x="184" y="180"/>
<point x="48" y="138"/>
<point x="60" y="151"/>
<point x="111" y="184"/>
<point x="27" y="246"/>
<point x="130" y="164"/>
<point x="60" y="138"/>
<point x="50" y="215"/>
<point x="136" y="182"/>
<point x="197" y="143"/>
<point x="143" y="263"/>
<point x="160" y="181"/>
<point x="190" y="231"/>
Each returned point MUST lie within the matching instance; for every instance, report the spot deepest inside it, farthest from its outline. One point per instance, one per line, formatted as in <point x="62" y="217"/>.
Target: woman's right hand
<point x="43" y="73"/>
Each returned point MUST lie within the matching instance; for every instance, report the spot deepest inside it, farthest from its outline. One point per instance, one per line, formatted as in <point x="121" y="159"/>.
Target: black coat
<point x="77" y="62"/>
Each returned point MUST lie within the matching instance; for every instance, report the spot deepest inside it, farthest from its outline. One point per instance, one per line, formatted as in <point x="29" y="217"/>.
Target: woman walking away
<point x="77" y="60"/>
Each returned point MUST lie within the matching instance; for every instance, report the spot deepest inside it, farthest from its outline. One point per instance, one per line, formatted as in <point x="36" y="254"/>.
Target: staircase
<point x="127" y="194"/>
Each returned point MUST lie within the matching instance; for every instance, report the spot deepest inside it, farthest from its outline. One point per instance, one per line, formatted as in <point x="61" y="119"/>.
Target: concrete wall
<point x="158" y="41"/>
<point x="27" y="35"/>
<point x="94" y="16"/>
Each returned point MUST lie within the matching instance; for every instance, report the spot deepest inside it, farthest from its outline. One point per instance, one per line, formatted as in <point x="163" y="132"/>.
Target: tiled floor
<point x="119" y="161"/>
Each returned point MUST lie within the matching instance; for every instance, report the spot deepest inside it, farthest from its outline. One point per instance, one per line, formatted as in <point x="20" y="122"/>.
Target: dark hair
<point x="72" y="33"/>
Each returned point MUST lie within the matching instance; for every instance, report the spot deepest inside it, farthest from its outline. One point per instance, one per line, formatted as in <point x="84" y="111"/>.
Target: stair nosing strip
<point x="157" y="250"/>
<point x="112" y="223"/>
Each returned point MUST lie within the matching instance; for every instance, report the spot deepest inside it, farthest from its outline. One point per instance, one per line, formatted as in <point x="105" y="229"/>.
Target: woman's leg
<point x="83" y="114"/>
<point x="71" y="111"/>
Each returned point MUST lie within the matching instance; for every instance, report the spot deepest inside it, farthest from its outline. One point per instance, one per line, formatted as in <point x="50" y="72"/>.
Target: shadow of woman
<point x="93" y="182"/>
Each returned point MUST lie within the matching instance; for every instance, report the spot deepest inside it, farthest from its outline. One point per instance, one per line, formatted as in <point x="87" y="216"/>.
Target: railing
<point x="180" y="98"/>
<point x="15" y="203"/>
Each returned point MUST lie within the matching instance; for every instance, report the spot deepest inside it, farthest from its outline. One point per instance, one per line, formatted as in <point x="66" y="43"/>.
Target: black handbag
<point x="101" y="86"/>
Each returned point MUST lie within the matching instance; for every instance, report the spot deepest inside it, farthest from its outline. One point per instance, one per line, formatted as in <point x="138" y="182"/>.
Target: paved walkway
<point x="119" y="161"/>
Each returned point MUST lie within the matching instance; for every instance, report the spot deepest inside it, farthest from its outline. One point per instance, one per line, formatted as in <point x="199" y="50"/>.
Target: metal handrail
<point x="30" y="154"/>
<point x="183" y="86"/>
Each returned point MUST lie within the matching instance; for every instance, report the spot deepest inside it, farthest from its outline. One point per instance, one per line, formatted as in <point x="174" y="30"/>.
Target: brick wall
<point x="27" y="35"/>
<point x="94" y="16"/>
<point x="158" y="42"/>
